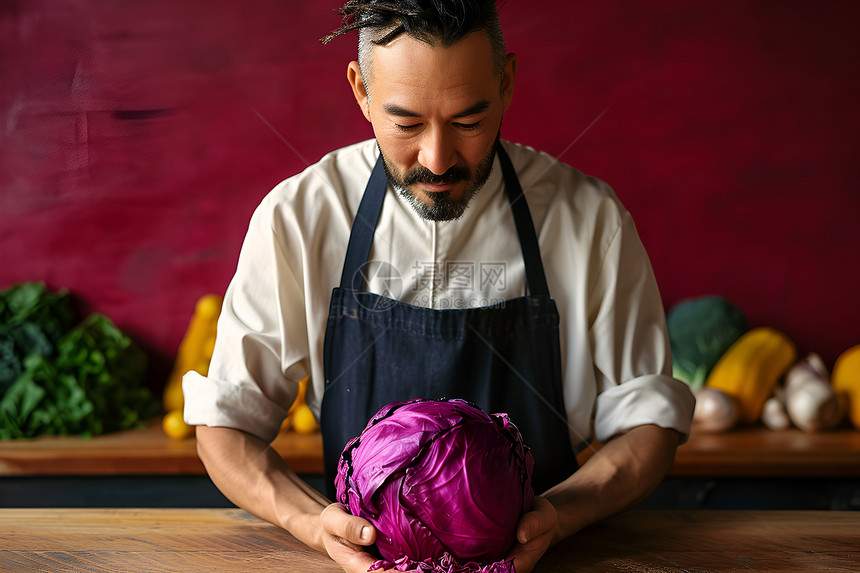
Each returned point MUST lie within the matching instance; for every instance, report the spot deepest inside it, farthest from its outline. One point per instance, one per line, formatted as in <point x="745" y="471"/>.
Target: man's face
<point x="436" y="114"/>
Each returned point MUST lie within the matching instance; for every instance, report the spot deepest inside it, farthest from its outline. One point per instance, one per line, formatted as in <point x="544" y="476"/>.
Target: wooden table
<point x="758" y="452"/>
<point x="147" y="451"/>
<point x="182" y="540"/>
<point x="748" y="452"/>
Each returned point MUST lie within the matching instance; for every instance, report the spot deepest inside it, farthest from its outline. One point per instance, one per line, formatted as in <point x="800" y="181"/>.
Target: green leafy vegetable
<point x="84" y="380"/>
<point x="701" y="330"/>
<point x="31" y="320"/>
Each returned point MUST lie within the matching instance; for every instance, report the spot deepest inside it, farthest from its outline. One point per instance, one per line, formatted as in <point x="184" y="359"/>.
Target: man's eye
<point x="468" y="126"/>
<point x="406" y="127"/>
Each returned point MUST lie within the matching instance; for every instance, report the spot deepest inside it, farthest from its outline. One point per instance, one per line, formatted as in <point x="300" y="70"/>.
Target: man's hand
<point x="345" y="537"/>
<point x="534" y="535"/>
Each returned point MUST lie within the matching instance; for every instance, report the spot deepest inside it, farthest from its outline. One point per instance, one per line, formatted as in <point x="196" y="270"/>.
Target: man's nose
<point x="437" y="151"/>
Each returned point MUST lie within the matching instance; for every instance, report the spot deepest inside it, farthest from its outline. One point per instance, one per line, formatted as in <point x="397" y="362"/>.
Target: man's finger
<point x="529" y="528"/>
<point x="540" y="520"/>
<point x="338" y="523"/>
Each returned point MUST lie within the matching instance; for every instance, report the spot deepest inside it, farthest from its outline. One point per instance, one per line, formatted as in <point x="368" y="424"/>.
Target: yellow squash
<point x="299" y="417"/>
<point x="751" y="368"/>
<point x="846" y="381"/>
<point x="175" y="427"/>
<point x="195" y="350"/>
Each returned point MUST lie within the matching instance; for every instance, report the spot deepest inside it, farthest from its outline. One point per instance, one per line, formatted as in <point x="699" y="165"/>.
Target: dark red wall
<point x="136" y="138"/>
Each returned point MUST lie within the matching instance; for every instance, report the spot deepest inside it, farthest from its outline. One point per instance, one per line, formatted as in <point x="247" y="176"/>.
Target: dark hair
<point x="430" y="21"/>
<point x="446" y="20"/>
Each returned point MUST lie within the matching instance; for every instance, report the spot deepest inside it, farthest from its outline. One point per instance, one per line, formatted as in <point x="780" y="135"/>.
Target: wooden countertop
<point x="221" y="540"/>
<point x="135" y="452"/>
<point x="759" y="452"/>
<point x="756" y="452"/>
<point x="747" y="452"/>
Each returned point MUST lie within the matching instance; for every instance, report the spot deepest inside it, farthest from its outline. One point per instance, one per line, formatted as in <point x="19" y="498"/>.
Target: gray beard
<point x="443" y="209"/>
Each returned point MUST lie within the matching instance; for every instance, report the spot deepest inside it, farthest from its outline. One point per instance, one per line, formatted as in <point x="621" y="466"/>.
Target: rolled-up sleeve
<point x="261" y="348"/>
<point x="630" y="346"/>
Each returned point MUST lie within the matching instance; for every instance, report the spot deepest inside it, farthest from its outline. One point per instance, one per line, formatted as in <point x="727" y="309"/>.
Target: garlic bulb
<point x="715" y="411"/>
<point x="810" y="401"/>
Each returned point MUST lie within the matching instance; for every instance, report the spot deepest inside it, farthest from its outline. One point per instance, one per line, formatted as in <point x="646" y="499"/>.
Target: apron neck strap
<point x="535" y="276"/>
<point x="367" y="217"/>
<point x="363" y="228"/>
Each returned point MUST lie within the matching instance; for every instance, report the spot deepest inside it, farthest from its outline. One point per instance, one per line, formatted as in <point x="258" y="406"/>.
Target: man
<point x="421" y="264"/>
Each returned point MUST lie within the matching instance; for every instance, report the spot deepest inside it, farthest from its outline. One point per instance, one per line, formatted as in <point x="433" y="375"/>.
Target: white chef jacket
<point x="614" y="346"/>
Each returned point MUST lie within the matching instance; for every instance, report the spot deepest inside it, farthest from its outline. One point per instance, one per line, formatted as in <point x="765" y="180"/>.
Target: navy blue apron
<point x="504" y="358"/>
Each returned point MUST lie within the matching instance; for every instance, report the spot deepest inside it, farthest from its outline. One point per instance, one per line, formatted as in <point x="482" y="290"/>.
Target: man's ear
<point x="353" y="75"/>
<point x="508" y="80"/>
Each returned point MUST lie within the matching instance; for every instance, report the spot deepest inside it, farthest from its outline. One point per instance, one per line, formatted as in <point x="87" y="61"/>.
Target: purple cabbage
<point x="442" y="481"/>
